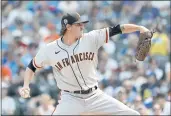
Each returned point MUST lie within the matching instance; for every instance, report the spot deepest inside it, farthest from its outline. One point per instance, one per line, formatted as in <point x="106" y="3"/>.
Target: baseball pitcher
<point x="74" y="59"/>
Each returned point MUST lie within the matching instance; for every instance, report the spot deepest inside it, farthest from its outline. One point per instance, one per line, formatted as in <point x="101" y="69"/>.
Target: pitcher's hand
<point x="24" y="92"/>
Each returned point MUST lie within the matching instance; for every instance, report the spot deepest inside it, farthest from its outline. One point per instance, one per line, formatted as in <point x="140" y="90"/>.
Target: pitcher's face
<point x="77" y="29"/>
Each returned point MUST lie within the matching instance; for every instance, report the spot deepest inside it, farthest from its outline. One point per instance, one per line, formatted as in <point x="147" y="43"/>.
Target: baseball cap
<point x="72" y="18"/>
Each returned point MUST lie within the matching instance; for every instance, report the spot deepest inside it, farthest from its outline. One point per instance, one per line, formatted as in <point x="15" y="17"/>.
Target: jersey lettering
<point x="89" y="55"/>
<point x="67" y="61"/>
<point x="92" y="56"/>
<point x="63" y="61"/>
<point x="75" y="58"/>
<point x="72" y="59"/>
<point x="60" y="66"/>
<point x="86" y="55"/>
<point x="80" y="54"/>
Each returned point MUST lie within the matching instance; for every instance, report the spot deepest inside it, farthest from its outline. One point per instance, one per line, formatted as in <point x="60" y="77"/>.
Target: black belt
<point x="83" y="91"/>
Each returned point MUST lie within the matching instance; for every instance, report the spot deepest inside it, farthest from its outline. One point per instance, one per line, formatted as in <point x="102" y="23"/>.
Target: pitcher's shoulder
<point x="53" y="43"/>
<point x="87" y="34"/>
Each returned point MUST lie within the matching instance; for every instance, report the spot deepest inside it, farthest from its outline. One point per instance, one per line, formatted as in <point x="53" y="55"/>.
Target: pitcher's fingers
<point x="24" y="94"/>
<point x="20" y="90"/>
<point x="27" y="93"/>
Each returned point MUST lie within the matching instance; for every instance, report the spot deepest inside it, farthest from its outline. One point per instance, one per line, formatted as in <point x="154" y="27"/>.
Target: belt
<point x="83" y="91"/>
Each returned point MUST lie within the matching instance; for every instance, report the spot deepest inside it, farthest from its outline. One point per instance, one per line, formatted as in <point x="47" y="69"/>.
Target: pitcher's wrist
<point x="26" y="85"/>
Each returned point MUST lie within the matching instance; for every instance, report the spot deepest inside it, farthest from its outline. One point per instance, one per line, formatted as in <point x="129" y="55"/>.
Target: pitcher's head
<point x="73" y="23"/>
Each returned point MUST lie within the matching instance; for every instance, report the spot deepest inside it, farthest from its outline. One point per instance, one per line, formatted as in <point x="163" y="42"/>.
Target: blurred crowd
<point x="143" y="86"/>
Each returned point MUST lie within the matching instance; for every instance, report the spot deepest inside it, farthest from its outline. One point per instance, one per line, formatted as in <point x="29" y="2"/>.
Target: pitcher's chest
<point x="65" y="56"/>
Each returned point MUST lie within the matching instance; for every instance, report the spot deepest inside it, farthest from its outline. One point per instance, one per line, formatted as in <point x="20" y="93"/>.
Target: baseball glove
<point x="144" y="44"/>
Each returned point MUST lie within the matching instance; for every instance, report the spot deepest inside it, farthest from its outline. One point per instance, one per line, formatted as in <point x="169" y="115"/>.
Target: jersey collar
<point x="65" y="46"/>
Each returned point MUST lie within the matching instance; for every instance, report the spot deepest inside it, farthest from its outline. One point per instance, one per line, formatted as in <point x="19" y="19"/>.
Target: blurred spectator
<point x="143" y="110"/>
<point x="12" y="64"/>
<point x="137" y="102"/>
<point x="160" y="46"/>
<point x="131" y="90"/>
<point x="46" y="105"/>
<point x="157" y="109"/>
<point x="6" y="73"/>
<point x="28" y="55"/>
<point x="120" y="94"/>
<point x="155" y="69"/>
<point x="53" y="36"/>
<point x="166" y="109"/>
<point x="32" y="106"/>
<point x="125" y="72"/>
<point x="168" y="71"/>
<point x="165" y="105"/>
<point x="8" y="103"/>
<point x="68" y="6"/>
<point x="110" y="47"/>
<point x="169" y="95"/>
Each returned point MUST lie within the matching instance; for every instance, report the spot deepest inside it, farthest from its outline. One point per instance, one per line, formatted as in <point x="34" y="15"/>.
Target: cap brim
<point x="81" y="22"/>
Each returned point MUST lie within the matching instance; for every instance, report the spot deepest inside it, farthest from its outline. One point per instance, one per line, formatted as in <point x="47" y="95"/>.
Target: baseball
<point x="25" y="93"/>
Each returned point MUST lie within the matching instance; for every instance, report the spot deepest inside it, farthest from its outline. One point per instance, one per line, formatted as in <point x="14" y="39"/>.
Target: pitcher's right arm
<point x="28" y="75"/>
<point x="37" y="62"/>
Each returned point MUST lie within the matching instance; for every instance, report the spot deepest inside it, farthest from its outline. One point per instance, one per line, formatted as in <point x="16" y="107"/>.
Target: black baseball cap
<point x="72" y="18"/>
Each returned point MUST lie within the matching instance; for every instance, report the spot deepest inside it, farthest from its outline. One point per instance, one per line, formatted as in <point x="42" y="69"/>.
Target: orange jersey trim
<point x="34" y="63"/>
<point x="106" y="36"/>
<point x="53" y="111"/>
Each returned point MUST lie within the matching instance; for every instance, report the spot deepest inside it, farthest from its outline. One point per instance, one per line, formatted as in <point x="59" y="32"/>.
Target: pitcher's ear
<point x="68" y="27"/>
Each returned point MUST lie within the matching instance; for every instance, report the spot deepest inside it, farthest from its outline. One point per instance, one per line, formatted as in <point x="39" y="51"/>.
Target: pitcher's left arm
<point x="129" y="28"/>
<point x="126" y="28"/>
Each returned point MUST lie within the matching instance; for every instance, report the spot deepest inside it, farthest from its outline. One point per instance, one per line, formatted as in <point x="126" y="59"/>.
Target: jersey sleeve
<point x="99" y="37"/>
<point x="41" y="59"/>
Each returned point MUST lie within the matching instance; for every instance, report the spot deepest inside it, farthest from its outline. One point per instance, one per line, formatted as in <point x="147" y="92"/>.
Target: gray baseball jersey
<point x="75" y="69"/>
<point x="74" y="66"/>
